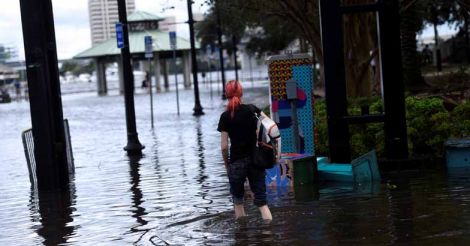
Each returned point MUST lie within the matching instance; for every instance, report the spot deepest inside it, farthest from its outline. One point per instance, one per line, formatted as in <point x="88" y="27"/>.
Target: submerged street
<point x="178" y="192"/>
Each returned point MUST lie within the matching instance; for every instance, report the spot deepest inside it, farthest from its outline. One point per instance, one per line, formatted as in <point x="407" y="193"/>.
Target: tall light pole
<point x="221" y="52"/>
<point x="133" y="147"/>
<point x="234" y="43"/>
<point x="197" y="103"/>
<point x="44" y="95"/>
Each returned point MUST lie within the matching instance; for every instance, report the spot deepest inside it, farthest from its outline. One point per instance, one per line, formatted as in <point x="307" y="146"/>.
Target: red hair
<point x="234" y="92"/>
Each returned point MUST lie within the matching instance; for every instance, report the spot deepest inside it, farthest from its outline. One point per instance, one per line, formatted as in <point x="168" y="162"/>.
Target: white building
<point x="8" y="53"/>
<point x="103" y="16"/>
<point x="168" y="24"/>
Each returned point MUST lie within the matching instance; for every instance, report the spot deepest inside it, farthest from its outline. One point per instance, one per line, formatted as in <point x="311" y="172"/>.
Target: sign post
<point x="133" y="147"/>
<point x="149" y="55"/>
<point x="209" y="70"/>
<point x="173" y="47"/>
<point x="217" y="50"/>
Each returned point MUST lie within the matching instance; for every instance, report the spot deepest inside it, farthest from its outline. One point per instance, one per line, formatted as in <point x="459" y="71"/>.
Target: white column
<point x="186" y="69"/>
<point x="101" y="77"/>
<point x="165" y="73"/>
<point x="143" y="65"/>
<point x="121" y="75"/>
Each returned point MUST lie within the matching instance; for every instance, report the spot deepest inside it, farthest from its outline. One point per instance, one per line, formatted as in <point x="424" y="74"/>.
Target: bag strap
<point x="260" y="131"/>
<point x="251" y="107"/>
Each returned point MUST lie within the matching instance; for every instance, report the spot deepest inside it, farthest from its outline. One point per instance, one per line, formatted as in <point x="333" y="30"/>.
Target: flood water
<point x="177" y="193"/>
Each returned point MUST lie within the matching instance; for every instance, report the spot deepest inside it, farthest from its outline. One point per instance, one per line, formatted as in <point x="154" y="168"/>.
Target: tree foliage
<point x="270" y="26"/>
<point x="77" y="68"/>
<point x="263" y="33"/>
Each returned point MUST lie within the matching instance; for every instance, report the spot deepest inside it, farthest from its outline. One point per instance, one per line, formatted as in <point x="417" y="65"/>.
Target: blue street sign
<point x="148" y="47"/>
<point x="119" y="35"/>
<point x="173" y="40"/>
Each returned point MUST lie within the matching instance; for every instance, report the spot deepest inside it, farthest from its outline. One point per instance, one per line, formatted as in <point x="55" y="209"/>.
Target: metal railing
<point x="28" y="145"/>
<point x="68" y="147"/>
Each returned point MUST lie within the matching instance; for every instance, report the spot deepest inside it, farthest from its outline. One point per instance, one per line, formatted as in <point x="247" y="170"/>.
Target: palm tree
<point x="410" y="23"/>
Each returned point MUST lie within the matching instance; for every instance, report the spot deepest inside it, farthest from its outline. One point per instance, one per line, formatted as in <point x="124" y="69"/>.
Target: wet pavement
<point x="177" y="193"/>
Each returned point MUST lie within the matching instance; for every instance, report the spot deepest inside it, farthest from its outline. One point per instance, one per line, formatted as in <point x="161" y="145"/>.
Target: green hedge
<point x="429" y="125"/>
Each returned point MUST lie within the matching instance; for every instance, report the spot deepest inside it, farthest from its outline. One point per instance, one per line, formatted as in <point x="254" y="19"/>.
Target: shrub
<point x="461" y="120"/>
<point x="321" y="129"/>
<point x="429" y="125"/>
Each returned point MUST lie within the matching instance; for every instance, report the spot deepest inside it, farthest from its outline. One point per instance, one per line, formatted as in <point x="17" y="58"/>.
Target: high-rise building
<point x="103" y="16"/>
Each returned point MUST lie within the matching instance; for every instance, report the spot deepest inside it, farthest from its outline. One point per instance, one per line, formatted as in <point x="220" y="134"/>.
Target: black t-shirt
<point x="241" y="130"/>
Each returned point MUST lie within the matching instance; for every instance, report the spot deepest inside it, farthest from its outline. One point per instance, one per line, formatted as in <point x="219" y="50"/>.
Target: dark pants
<point x="238" y="171"/>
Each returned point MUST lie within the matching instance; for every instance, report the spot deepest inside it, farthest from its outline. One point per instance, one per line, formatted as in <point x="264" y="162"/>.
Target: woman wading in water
<point x="238" y="123"/>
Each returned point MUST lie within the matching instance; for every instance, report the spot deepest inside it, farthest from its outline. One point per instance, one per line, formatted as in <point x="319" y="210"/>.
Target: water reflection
<point x="200" y="153"/>
<point x="154" y="156"/>
<point x="137" y="197"/>
<point x="202" y="177"/>
<point x="249" y="230"/>
<point x="367" y="188"/>
<point x="54" y="211"/>
<point x="306" y="193"/>
<point x="426" y="212"/>
<point x="182" y="160"/>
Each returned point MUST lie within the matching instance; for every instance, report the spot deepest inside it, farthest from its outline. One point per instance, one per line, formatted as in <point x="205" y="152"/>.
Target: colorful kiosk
<point x="294" y="114"/>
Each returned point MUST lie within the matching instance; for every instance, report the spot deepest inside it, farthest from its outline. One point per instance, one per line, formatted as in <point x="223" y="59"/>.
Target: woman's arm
<point x="224" y="147"/>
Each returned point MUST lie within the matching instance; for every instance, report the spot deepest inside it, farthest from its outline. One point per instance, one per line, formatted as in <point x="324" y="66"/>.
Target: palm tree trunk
<point x="358" y="46"/>
<point x="437" y="49"/>
<point x="467" y="38"/>
<point x="409" y="25"/>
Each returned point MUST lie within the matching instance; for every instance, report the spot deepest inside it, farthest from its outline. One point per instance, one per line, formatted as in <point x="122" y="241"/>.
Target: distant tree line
<point x="77" y="68"/>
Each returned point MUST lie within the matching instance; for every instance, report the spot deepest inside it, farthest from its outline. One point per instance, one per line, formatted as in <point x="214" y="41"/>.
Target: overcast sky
<point x="72" y="25"/>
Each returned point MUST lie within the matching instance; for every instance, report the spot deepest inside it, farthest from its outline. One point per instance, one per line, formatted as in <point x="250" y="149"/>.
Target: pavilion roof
<point x="139" y="15"/>
<point x="161" y="42"/>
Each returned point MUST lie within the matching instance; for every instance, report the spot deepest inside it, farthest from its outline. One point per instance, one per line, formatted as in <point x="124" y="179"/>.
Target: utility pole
<point x="234" y="43"/>
<point x="44" y="94"/>
<point x="221" y="53"/>
<point x="197" y="103"/>
<point x="133" y="147"/>
<point x="467" y="38"/>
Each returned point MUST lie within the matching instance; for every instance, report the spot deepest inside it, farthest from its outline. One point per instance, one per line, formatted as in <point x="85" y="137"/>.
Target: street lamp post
<point x="197" y="103"/>
<point x="221" y="53"/>
<point x="234" y="43"/>
<point x="44" y="95"/>
<point x="133" y="147"/>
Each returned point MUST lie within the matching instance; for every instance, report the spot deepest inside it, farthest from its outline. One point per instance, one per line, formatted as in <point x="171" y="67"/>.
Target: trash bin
<point x="304" y="168"/>
<point x="458" y="153"/>
<point x="293" y="170"/>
